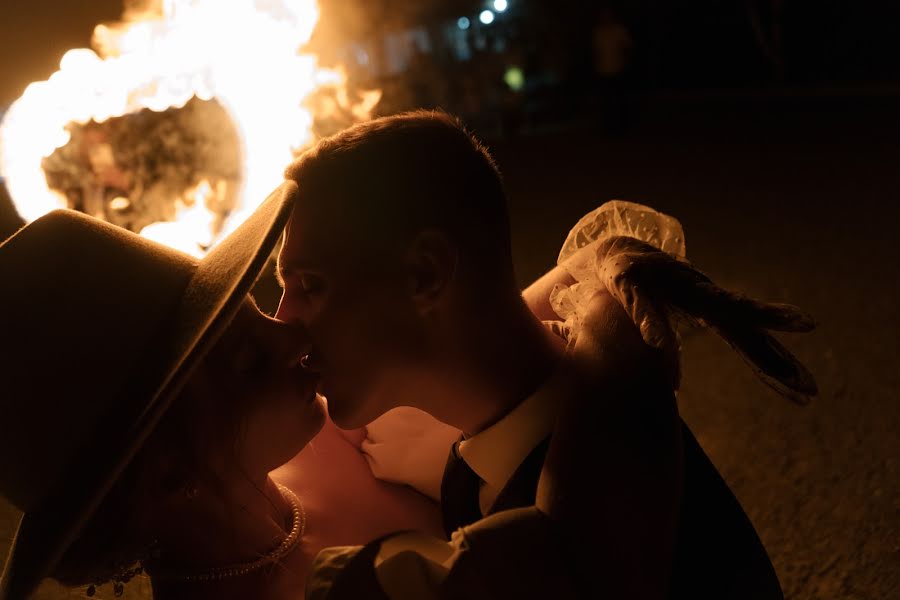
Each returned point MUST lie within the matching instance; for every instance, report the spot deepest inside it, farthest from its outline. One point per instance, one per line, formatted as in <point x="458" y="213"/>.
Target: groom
<point x="397" y="260"/>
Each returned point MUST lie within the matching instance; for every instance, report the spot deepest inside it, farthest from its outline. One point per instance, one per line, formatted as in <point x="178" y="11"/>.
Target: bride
<point x="147" y="400"/>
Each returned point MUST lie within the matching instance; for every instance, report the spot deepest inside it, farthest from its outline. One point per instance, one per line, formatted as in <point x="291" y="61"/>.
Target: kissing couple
<point x="409" y="425"/>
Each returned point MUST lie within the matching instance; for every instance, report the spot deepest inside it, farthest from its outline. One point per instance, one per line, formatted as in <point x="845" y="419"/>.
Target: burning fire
<point x="244" y="54"/>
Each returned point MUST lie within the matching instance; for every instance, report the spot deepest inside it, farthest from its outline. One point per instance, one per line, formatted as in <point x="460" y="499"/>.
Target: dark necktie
<point x="459" y="493"/>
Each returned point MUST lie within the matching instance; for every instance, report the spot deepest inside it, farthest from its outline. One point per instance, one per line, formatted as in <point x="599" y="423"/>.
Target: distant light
<point x="120" y="203"/>
<point x="463" y="23"/>
<point x="500" y="5"/>
<point x="514" y="78"/>
<point x="486" y="17"/>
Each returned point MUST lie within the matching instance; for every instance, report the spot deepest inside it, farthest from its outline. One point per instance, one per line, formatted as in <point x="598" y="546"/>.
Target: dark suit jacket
<point x="718" y="554"/>
<point x="717" y="551"/>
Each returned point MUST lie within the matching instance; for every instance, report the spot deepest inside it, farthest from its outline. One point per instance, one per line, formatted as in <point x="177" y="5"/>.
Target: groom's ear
<point x="432" y="261"/>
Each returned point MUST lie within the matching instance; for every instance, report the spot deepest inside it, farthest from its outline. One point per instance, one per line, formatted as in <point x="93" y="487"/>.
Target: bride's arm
<point x="537" y="295"/>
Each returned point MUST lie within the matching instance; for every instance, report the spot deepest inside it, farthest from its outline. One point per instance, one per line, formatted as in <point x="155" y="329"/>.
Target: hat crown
<point x="82" y="302"/>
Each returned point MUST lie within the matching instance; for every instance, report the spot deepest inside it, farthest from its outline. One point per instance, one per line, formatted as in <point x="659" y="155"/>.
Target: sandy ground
<point x="788" y="200"/>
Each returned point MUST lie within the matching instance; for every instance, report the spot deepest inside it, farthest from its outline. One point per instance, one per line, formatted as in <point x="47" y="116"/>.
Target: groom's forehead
<point x="304" y="243"/>
<point x="314" y="239"/>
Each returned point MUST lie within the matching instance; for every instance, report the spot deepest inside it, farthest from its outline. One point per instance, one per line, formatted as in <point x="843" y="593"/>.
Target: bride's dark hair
<point x="120" y="534"/>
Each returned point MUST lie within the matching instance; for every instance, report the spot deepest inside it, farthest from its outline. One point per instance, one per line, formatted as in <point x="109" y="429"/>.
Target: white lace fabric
<point x="582" y="259"/>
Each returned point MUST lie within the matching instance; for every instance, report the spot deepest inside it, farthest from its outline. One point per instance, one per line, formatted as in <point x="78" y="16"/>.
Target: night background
<point x="769" y="128"/>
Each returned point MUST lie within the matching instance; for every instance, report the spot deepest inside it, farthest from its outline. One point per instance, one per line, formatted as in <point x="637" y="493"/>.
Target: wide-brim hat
<point x="100" y="330"/>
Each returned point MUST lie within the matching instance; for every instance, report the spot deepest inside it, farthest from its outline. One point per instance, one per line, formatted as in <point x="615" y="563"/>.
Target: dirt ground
<point x="787" y="199"/>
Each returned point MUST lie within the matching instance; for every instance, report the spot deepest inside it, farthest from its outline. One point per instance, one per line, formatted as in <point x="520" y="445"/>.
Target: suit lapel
<point x="521" y="488"/>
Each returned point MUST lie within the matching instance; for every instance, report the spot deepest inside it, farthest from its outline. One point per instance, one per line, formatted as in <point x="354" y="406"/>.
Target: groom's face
<point x="354" y="302"/>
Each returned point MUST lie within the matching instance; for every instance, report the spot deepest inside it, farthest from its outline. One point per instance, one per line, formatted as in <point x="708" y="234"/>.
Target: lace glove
<point x="409" y="447"/>
<point x="659" y="289"/>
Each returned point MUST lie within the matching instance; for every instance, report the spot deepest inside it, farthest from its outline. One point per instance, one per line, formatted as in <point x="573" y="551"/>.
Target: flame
<point x="192" y="219"/>
<point x="242" y="53"/>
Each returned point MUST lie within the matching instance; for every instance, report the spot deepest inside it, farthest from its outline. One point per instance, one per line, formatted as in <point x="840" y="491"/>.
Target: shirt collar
<point x="495" y="453"/>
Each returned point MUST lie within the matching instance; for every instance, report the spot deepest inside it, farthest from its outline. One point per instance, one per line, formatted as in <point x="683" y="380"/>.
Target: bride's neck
<point x="234" y="525"/>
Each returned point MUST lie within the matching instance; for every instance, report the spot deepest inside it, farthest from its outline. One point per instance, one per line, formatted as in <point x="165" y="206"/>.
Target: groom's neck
<point x="500" y="362"/>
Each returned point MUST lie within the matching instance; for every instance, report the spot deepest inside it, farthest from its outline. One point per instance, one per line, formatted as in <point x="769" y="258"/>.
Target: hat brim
<point x="212" y="298"/>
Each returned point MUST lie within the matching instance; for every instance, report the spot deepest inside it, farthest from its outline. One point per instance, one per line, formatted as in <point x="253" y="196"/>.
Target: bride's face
<point x="247" y="409"/>
<point x="268" y="405"/>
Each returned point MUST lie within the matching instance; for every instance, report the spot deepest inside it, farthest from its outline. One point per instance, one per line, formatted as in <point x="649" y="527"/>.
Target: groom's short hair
<point x="397" y="175"/>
